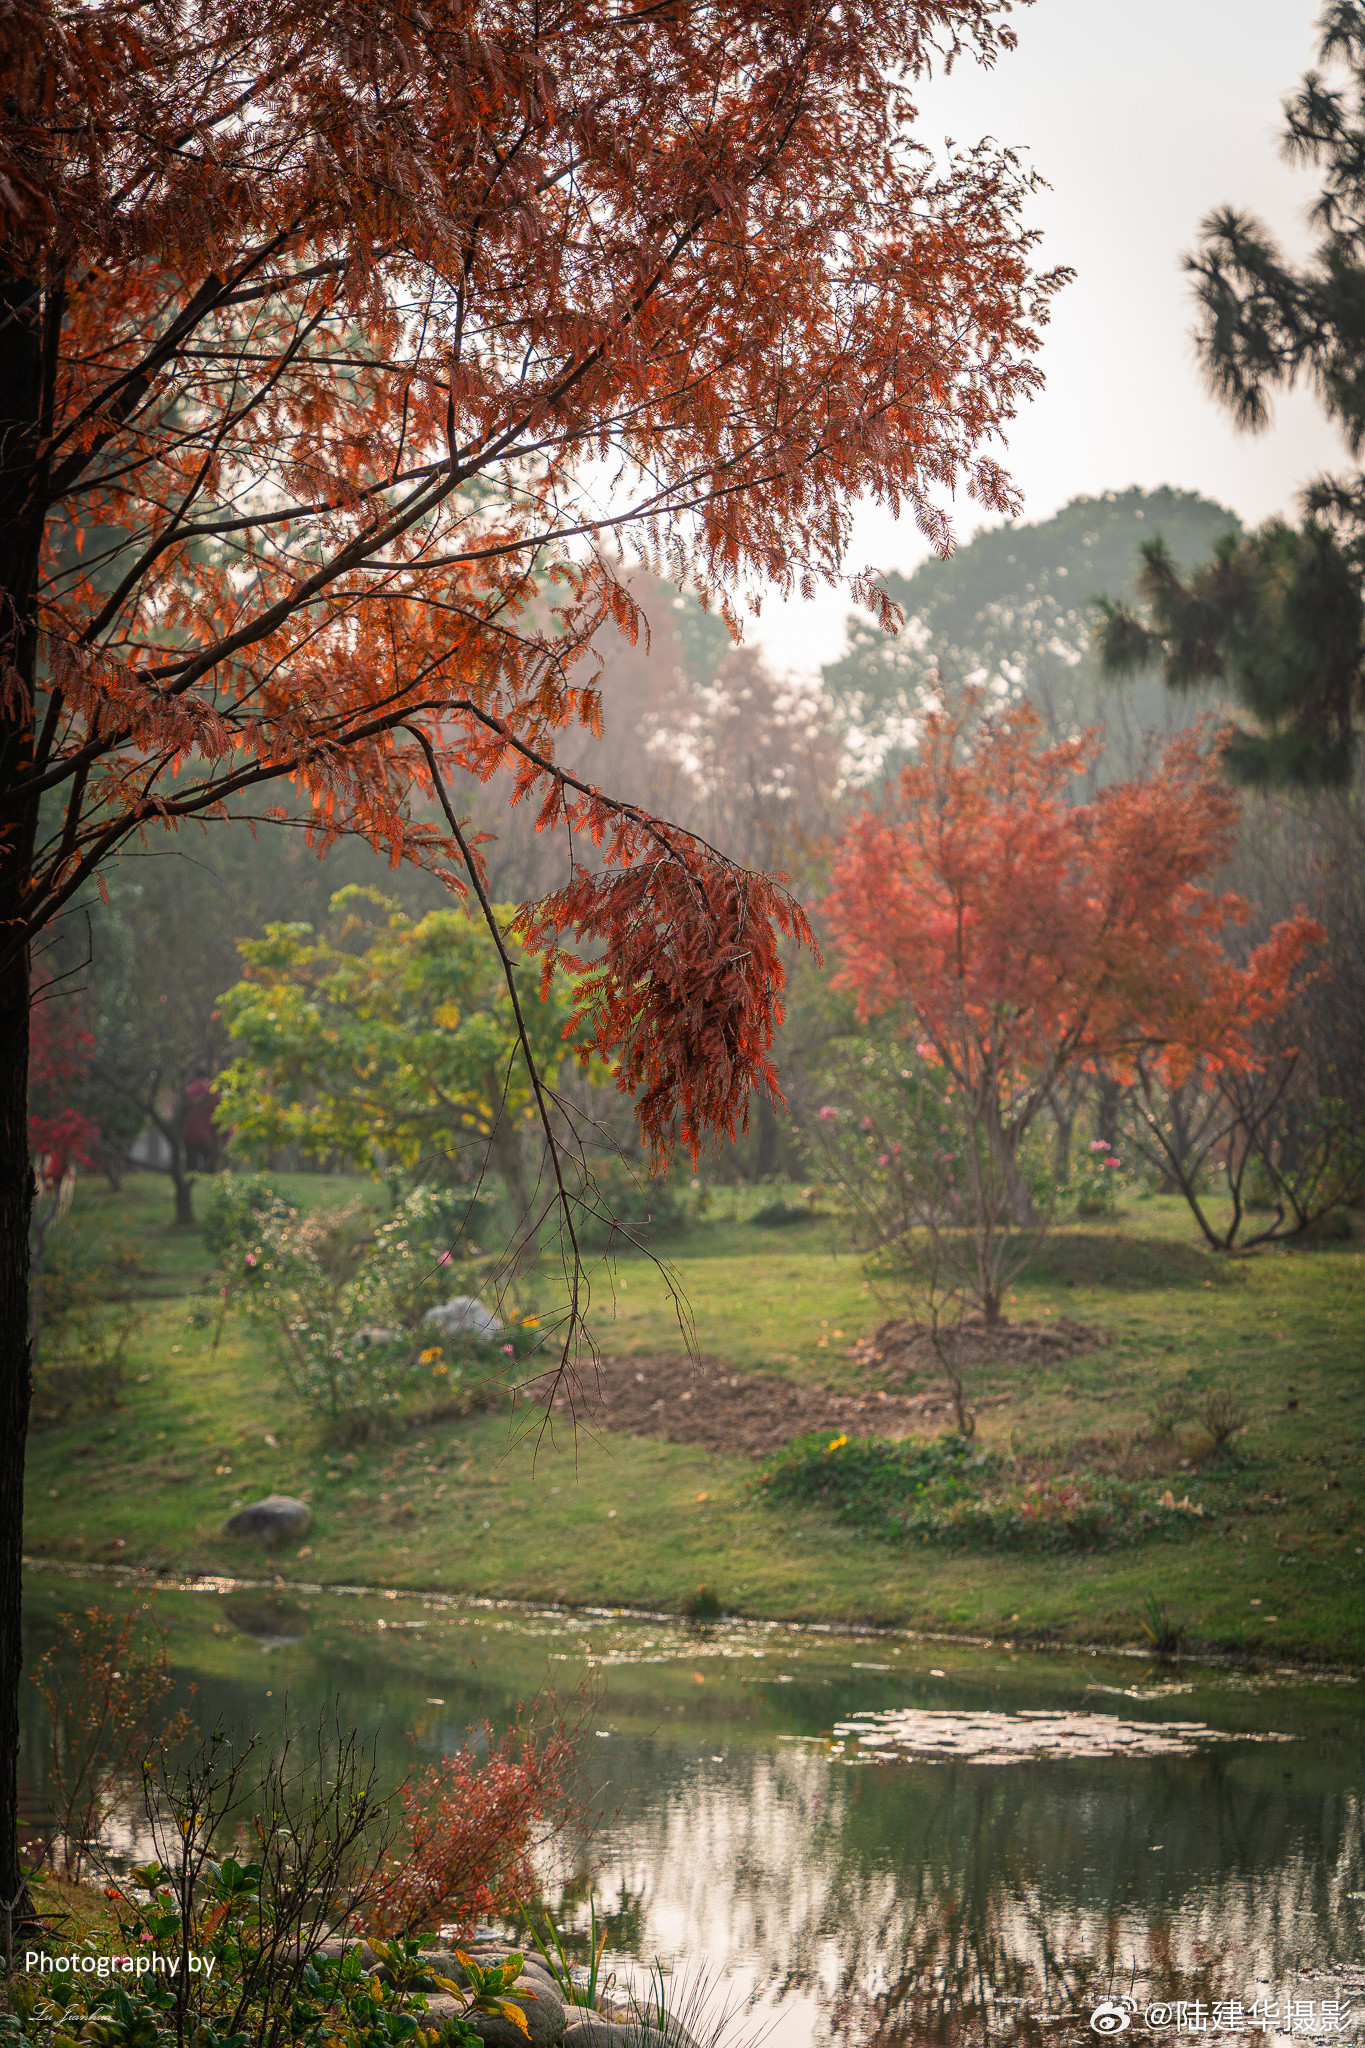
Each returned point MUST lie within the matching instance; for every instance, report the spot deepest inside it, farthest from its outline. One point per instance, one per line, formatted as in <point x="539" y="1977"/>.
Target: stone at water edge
<point x="545" y="2022"/>
<point x="276" y="1519"/>
<point x="444" y="1962"/>
<point x="454" y="1318"/>
<point x="589" y="2030"/>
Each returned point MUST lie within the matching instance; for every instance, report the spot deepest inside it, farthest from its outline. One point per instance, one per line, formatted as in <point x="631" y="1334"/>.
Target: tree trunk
<point x="1005" y="1161"/>
<point x="172" y="1129"/>
<point x="767" y="1138"/>
<point x="28" y="319"/>
<point x="16" y="1389"/>
<point x="1107" y="1123"/>
<point x="505" y="1146"/>
<point x="1064" y="1124"/>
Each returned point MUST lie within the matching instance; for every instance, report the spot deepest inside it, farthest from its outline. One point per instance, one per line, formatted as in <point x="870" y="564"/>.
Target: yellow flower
<point x="837" y="1441"/>
<point x="530" y="1322"/>
<point x="427" y="1356"/>
<point x="439" y="1371"/>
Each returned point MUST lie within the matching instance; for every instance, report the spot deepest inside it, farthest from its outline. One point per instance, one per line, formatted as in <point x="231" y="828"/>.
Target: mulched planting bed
<point x="702" y="1401"/>
<point x="905" y="1349"/>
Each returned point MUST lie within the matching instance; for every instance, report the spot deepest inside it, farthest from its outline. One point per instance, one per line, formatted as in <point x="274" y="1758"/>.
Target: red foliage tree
<point x="474" y="1825"/>
<point x="60" y="1136"/>
<point x="339" y="349"/>
<point x="1016" y="936"/>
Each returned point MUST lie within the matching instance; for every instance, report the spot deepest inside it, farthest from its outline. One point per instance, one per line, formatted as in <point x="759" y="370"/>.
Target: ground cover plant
<point x="621" y="1516"/>
<point x="948" y="1491"/>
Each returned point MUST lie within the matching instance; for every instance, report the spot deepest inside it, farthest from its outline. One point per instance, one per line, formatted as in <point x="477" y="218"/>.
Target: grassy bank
<point x="1275" y="1566"/>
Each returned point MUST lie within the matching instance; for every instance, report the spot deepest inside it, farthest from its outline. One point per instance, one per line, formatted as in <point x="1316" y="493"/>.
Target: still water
<point x="868" y="1838"/>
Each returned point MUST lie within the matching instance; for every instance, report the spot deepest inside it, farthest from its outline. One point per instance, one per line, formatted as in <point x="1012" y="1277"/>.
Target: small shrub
<point x="1335" y="1227"/>
<point x="475" y="1823"/>
<point x="948" y="1492"/>
<point x="1220" y="1415"/>
<point x="778" y="1215"/>
<point x="703" y="1605"/>
<point x="104" y="1689"/>
<point x="1170" y="1408"/>
<point x="621" y="1206"/>
<point x="1098" y="1181"/>
<point x="344" y="1296"/>
<point x="91" y="1317"/>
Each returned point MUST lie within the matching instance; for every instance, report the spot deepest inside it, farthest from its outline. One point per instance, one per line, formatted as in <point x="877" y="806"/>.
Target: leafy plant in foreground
<point x="589" y="1989"/>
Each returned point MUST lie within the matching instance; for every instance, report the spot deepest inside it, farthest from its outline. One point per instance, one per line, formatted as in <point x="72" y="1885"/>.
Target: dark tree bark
<point x="172" y="1129"/>
<point x="24" y="414"/>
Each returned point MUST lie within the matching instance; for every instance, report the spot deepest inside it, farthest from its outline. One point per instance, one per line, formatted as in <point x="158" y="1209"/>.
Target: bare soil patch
<point x="905" y="1350"/>
<point x="703" y="1401"/>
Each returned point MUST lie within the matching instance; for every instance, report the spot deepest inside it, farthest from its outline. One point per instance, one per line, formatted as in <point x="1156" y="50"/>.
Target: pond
<point x="867" y="1837"/>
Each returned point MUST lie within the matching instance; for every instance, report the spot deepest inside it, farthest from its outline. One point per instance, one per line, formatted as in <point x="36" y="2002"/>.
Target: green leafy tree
<point x="394" y="1046"/>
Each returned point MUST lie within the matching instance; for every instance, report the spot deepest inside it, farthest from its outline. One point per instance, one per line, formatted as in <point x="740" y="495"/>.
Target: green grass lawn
<point x="474" y="1505"/>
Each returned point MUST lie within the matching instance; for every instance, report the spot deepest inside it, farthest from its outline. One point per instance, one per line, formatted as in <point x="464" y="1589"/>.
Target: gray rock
<point x="335" y="1947"/>
<point x="533" y="1973"/>
<point x="454" y="1318"/>
<point x="545" y="2021"/>
<point x="589" y="2030"/>
<point x="620" y="2028"/>
<point x="276" y="1519"/>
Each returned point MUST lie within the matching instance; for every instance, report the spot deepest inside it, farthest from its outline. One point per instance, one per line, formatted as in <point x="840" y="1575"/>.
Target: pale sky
<point x="1142" y="115"/>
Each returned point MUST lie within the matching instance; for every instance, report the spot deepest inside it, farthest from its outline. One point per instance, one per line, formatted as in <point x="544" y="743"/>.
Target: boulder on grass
<point x="464" y="1316"/>
<point x="276" y="1519"/>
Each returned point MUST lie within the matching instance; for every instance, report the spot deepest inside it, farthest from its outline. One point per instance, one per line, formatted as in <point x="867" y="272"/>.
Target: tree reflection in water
<point x="877" y="1902"/>
<point x="952" y="1901"/>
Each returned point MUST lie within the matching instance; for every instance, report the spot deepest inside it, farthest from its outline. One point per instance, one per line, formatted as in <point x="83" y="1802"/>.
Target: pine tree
<point x="1279" y="617"/>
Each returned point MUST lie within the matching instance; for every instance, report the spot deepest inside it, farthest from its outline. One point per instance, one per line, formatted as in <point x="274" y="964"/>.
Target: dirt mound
<point x="703" y="1401"/>
<point x="905" y="1348"/>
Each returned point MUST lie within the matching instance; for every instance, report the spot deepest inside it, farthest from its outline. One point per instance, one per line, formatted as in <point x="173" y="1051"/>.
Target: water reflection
<point x="1171" y="1842"/>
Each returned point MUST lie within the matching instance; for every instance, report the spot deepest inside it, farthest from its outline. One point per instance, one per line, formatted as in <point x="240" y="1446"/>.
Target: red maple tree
<point x="61" y="1136"/>
<point x="1015" y="936"/>
<point x="341" y="352"/>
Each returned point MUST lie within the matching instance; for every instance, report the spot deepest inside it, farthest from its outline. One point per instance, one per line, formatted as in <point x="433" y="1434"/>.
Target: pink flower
<point x="867" y="1123"/>
<point x="828" y="1115"/>
<point x="895" y="1151"/>
<point x="444" y="1259"/>
<point x="251" y="1258"/>
<point x="507" y="1348"/>
<point x="884" y="1159"/>
<point x="1098" y="1145"/>
<point x="1113" y="1162"/>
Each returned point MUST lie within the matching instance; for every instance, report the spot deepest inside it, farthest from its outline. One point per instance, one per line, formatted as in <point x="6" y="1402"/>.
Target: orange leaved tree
<point x="343" y="351"/>
<point x="1014" y="936"/>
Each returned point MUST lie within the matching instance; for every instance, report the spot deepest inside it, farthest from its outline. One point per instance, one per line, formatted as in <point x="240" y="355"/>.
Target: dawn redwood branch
<point x="566" y="1369"/>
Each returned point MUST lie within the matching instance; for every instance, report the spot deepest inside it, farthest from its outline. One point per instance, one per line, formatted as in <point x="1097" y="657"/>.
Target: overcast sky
<point x="1142" y="117"/>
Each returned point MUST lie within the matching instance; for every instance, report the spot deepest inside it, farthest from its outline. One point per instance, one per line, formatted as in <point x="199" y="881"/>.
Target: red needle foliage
<point x="1017" y="935"/>
<point x="343" y="348"/>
